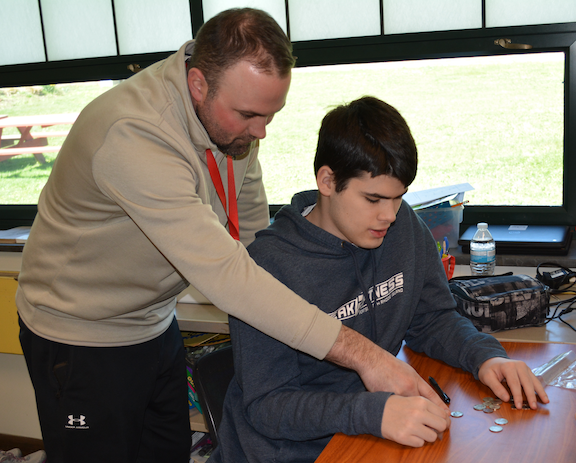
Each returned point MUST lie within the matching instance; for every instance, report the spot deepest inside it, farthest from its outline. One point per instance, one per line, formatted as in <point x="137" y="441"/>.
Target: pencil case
<point x="502" y="302"/>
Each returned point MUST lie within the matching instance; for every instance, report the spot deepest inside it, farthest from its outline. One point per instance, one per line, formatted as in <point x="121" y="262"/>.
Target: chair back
<point x="212" y="374"/>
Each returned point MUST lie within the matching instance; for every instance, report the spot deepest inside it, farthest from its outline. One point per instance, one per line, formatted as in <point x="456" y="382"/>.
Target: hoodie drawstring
<point x="349" y="247"/>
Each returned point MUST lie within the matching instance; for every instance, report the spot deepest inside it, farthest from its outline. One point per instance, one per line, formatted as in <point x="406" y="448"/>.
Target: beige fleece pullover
<point x="129" y="215"/>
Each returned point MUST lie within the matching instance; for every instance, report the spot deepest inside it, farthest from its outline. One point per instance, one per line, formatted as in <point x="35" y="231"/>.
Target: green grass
<point x="496" y="123"/>
<point x="22" y="177"/>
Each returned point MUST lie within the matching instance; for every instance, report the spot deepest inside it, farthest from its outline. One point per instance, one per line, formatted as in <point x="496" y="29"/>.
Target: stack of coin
<point x="525" y="406"/>
<point x="488" y="405"/>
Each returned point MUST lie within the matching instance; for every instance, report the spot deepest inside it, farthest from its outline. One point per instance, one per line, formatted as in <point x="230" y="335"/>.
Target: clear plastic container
<point x="482" y="251"/>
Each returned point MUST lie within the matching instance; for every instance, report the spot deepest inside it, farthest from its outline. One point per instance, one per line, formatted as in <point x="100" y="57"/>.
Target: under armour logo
<point x="72" y="421"/>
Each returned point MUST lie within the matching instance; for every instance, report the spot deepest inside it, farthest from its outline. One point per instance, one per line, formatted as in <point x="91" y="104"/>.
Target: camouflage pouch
<point x="501" y="302"/>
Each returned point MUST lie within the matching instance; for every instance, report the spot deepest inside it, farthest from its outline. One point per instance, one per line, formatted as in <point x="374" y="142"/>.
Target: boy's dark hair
<point x="238" y="34"/>
<point x="366" y="135"/>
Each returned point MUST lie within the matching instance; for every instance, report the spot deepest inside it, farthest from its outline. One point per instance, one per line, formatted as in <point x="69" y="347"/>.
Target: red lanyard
<point x="232" y="212"/>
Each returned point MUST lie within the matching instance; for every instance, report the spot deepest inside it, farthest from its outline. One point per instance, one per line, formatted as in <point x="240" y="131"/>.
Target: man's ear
<point x="197" y="84"/>
<point x="325" y="181"/>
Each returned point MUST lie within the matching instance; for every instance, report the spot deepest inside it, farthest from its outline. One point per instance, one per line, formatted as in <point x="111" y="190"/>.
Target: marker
<point x="440" y="392"/>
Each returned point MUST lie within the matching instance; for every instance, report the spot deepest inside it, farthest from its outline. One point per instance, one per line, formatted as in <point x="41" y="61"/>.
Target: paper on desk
<point x="14" y="235"/>
<point x="192" y="296"/>
<point x="432" y="195"/>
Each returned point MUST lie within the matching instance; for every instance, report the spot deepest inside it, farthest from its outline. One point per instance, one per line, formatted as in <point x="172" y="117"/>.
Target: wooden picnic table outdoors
<point x="32" y="142"/>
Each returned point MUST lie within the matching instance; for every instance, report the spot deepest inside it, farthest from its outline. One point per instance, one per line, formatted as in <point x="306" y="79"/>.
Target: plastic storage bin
<point x="443" y="222"/>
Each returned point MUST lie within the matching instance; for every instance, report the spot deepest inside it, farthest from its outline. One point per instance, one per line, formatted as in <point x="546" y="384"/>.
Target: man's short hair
<point x="366" y="135"/>
<point x="241" y="34"/>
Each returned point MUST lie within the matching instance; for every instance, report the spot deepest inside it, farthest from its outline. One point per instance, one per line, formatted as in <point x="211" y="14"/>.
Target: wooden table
<point x="545" y="435"/>
<point x="28" y="142"/>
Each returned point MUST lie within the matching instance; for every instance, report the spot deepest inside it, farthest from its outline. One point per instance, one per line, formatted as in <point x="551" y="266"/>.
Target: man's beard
<point x="236" y="147"/>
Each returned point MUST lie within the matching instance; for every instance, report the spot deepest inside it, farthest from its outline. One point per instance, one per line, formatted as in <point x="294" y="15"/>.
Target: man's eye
<point x="370" y="200"/>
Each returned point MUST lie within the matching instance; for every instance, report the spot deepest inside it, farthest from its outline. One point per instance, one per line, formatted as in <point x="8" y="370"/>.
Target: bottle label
<point x="483" y="257"/>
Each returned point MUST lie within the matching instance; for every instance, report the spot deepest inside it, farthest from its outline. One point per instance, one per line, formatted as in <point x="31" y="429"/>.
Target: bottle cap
<point x="482" y="226"/>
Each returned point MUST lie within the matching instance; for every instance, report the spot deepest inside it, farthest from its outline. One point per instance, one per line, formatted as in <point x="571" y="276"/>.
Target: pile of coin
<point x="488" y="405"/>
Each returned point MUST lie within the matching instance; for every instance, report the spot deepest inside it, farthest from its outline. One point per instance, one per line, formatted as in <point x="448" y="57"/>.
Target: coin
<point x="496" y="428"/>
<point x="494" y="406"/>
<point x="525" y="406"/>
<point x="456" y="414"/>
<point x="488" y="410"/>
<point x="501" y="421"/>
<point x="479" y="407"/>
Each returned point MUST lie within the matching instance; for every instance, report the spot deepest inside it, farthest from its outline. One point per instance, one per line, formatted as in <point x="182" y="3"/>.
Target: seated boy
<point x="358" y="252"/>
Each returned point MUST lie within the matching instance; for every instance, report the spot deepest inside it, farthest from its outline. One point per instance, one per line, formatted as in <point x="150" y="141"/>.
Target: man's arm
<point x="378" y="368"/>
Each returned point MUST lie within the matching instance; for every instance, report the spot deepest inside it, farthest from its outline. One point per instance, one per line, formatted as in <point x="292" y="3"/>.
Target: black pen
<point x="440" y="392"/>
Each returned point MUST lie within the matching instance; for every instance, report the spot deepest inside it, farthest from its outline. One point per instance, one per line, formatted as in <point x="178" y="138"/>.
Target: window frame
<point x="428" y="45"/>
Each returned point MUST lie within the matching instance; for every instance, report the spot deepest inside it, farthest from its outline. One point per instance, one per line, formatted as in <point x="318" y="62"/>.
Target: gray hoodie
<point x="285" y="406"/>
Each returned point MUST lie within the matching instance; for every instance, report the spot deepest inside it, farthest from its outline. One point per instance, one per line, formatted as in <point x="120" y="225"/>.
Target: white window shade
<point x="20" y="33"/>
<point x="275" y="8"/>
<point x="147" y="26"/>
<point x="502" y="13"/>
<point x="407" y="16"/>
<point x="331" y="19"/>
<point x="76" y="29"/>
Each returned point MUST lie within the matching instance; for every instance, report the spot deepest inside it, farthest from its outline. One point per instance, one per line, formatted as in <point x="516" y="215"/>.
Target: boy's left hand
<point x="518" y="377"/>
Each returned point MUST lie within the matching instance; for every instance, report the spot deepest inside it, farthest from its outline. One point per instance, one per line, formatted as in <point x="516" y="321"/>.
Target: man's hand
<point x="378" y="368"/>
<point x="518" y="377"/>
<point x="413" y="420"/>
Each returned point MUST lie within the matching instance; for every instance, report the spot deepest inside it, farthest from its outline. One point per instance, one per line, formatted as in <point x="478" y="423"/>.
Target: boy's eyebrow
<point x="379" y="196"/>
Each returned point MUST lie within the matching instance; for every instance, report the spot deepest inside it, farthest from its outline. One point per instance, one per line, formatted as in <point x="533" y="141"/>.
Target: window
<point x="421" y="65"/>
<point x="496" y="122"/>
<point x="23" y="176"/>
<point x="552" y="198"/>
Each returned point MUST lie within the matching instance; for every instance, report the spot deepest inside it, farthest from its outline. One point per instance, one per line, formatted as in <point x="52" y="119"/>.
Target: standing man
<point x="152" y="181"/>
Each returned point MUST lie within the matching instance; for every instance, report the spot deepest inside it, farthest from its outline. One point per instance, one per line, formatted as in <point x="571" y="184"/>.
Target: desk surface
<point x="546" y="434"/>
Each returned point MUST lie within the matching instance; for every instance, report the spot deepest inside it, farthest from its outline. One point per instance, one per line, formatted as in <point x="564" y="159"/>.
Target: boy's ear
<point x="325" y="181"/>
<point x="197" y="84"/>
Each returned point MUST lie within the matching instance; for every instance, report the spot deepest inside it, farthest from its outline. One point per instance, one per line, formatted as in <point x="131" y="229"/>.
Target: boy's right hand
<point x="413" y="420"/>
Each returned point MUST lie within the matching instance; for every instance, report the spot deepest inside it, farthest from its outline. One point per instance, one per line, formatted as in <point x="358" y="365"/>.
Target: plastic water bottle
<point x="482" y="251"/>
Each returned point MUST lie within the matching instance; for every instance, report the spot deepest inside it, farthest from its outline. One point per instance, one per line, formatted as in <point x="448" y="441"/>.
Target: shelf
<point x="205" y="318"/>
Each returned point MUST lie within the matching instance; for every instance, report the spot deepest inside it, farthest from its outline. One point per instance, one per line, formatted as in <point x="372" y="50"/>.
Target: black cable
<point x="566" y="323"/>
<point x="557" y="278"/>
<point x="570" y="304"/>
